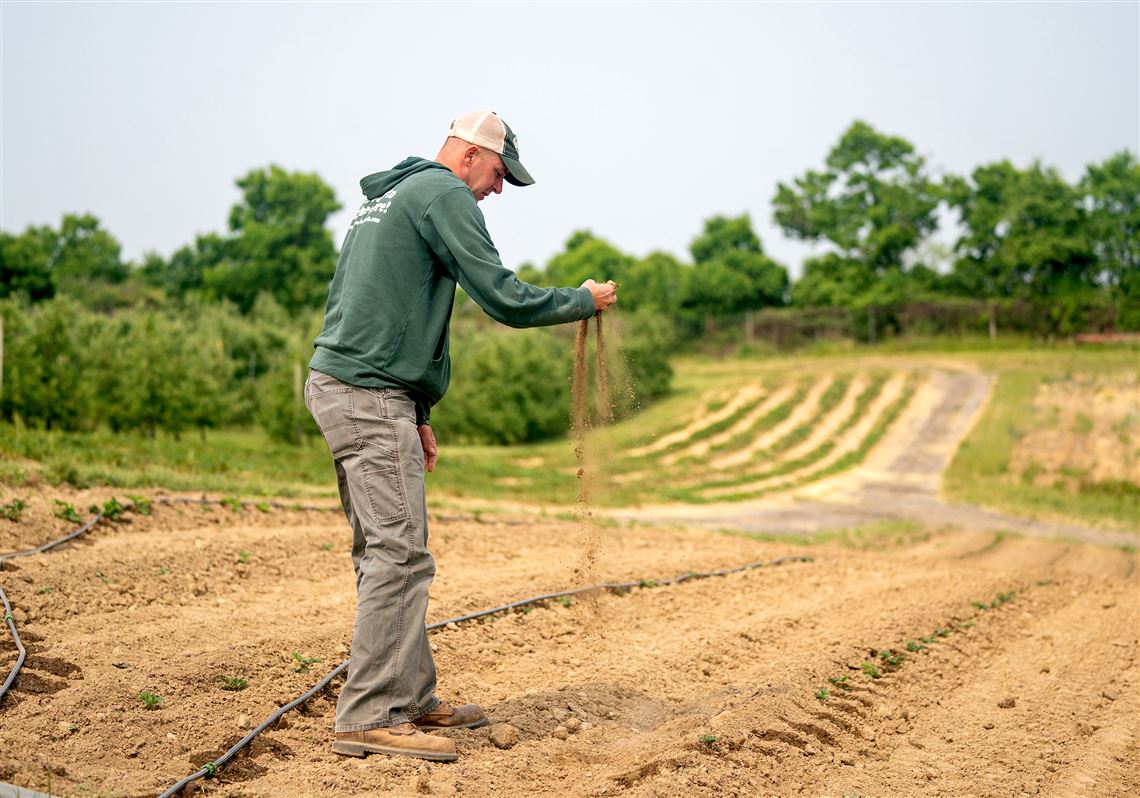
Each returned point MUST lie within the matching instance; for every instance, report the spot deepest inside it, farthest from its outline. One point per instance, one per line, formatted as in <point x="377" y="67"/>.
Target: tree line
<point x="1025" y="234"/>
<point x="216" y="333"/>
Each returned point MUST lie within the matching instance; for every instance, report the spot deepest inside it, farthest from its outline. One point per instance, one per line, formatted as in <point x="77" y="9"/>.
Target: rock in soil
<point x="504" y="735"/>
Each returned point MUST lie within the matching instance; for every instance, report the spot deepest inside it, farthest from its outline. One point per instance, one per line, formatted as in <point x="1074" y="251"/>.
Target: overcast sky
<point x="638" y="121"/>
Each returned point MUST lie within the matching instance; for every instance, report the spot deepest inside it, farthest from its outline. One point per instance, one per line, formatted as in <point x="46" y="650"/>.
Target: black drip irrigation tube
<point x="211" y="768"/>
<point x="9" y="616"/>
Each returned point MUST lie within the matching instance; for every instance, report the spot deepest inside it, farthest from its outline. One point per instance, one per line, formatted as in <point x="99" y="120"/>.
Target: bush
<point x="514" y="386"/>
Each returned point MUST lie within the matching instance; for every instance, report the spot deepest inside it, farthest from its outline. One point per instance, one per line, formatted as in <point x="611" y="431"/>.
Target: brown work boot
<point x="445" y="716"/>
<point x="403" y="739"/>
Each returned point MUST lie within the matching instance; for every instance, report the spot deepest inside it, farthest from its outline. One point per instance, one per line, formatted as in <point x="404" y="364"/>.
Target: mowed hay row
<point x="803" y="417"/>
<point x="853" y="442"/>
<point x="737" y="430"/>
<point x="839" y="410"/>
<point x="815" y="403"/>
<point x="713" y="409"/>
<point x="710" y="439"/>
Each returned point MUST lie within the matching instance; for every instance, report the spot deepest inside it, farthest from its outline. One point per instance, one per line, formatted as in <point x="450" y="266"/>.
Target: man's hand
<point x="427" y="441"/>
<point x="604" y="295"/>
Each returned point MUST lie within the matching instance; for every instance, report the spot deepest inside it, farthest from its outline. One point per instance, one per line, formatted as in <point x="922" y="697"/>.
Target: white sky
<point x="637" y="120"/>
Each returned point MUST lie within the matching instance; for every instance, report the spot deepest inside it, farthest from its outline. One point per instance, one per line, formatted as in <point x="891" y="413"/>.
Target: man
<point x="381" y="363"/>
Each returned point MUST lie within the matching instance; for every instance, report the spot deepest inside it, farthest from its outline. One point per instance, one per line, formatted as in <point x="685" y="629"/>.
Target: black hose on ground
<point x="9" y="616"/>
<point x="211" y="768"/>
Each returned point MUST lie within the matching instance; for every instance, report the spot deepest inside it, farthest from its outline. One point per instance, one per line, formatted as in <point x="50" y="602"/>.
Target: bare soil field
<point x="1023" y="680"/>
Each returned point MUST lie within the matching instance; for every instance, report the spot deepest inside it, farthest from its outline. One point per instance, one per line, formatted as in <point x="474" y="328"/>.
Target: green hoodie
<point x="418" y="233"/>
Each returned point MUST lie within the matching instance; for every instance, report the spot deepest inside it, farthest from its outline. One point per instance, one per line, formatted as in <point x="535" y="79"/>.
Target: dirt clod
<point x="504" y="735"/>
<point x="1009" y="702"/>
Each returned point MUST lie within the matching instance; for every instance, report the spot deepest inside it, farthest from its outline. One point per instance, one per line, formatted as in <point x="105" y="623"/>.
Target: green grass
<point x="232" y="461"/>
<point x="238" y="462"/>
<point x="979" y="473"/>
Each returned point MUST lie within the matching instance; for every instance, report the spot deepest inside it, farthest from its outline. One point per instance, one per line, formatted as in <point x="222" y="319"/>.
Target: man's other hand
<point x="604" y="294"/>
<point x="427" y="441"/>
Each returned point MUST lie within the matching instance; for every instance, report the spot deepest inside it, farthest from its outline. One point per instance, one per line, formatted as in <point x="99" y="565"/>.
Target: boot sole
<point x="364" y="749"/>
<point x="472" y="725"/>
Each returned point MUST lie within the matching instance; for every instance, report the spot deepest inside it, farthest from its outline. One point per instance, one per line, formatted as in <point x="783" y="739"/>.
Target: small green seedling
<point x="708" y="739"/>
<point x="140" y="504"/>
<point x="979" y="605"/>
<point x="891" y="658"/>
<point x="13" y="510"/>
<point x="644" y="583"/>
<point x="234" y="683"/>
<point x="303" y="663"/>
<point x="233" y="502"/>
<point x="840" y="682"/>
<point x="150" y="700"/>
<point x="102" y="577"/>
<point x="914" y="646"/>
<point x="1002" y="598"/>
<point x="163" y="570"/>
<point x="43" y="591"/>
<point x="113" y="510"/>
<point x="929" y="638"/>
<point x="870" y="670"/>
<point x="263" y="506"/>
<point x="966" y="625"/>
<point x="243" y="557"/>
<point x="66" y="511"/>
<point x="824" y="694"/>
<point x="328" y="546"/>
<point x="943" y="632"/>
<point x="1044" y="582"/>
<point x="565" y="601"/>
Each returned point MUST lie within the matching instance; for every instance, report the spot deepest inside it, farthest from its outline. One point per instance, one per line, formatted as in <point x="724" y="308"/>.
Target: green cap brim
<point x="517" y="175"/>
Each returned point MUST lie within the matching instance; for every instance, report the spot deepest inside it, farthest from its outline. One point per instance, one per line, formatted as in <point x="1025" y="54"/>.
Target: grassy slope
<point x="247" y="462"/>
<point x="979" y="472"/>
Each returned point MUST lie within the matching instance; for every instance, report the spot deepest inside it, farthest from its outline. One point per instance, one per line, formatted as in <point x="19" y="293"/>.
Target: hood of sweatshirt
<point x="380" y="183"/>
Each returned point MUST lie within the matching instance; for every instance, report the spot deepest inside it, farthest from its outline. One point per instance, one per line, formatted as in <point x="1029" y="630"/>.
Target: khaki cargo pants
<point x="375" y="446"/>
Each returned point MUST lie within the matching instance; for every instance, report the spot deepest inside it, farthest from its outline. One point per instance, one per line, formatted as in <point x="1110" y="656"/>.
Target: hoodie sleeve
<point x="453" y="227"/>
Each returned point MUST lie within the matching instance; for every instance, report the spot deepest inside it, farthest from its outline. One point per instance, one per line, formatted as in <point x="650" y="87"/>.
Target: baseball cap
<point x="487" y="129"/>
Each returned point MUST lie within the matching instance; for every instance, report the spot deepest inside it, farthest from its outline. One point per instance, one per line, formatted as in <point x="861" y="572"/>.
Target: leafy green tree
<point x="873" y="203"/>
<point x="654" y="283"/>
<point x="1027" y="237"/>
<point x="832" y="280"/>
<point x="731" y="272"/>
<point x="278" y="243"/>
<point x="85" y="252"/>
<point x="1113" y="191"/>
<point x="47" y="374"/>
<point x="1026" y="234"/>
<point x="586" y="257"/>
<point x="72" y="259"/>
<point x="25" y="264"/>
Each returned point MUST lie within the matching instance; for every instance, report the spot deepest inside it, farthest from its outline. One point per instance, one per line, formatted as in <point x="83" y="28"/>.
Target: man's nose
<point x="498" y="187"/>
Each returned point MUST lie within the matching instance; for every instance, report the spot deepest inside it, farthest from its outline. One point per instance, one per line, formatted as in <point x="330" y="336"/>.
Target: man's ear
<point x="470" y="154"/>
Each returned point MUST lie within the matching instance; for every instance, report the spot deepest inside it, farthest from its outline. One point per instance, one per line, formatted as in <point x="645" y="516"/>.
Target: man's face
<point x="485" y="174"/>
